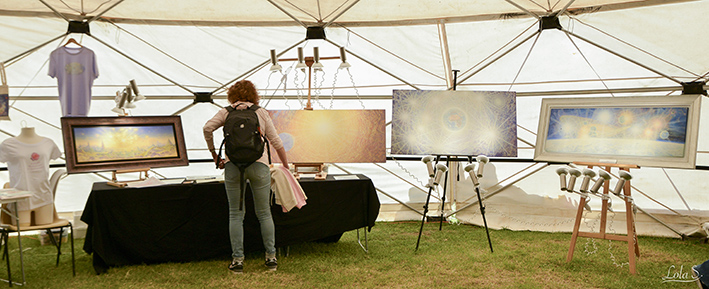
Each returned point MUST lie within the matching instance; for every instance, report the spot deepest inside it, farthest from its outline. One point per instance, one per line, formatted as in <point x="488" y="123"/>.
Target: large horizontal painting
<point x="331" y="136"/>
<point x="95" y="144"/>
<point x="650" y="131"/>
<point x="455" y="123"/>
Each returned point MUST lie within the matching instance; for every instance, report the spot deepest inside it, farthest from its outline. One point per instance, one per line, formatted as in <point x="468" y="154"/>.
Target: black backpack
<point x="243" y="141"/>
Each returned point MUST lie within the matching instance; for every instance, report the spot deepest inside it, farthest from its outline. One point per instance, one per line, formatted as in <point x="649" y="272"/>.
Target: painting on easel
<point x="462" y="123"/>
<point x="647" y="131"/>
<point x="331" y="136"/>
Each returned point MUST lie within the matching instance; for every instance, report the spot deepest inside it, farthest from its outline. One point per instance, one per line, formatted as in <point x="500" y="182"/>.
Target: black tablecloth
<point x="181" y="223"/>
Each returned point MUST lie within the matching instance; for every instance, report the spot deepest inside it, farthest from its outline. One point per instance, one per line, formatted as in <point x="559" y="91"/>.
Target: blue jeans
<point x="259" y="176"/>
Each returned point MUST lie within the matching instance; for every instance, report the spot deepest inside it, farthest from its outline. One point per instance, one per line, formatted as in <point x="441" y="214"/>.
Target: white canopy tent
<point x="174" y="49"/>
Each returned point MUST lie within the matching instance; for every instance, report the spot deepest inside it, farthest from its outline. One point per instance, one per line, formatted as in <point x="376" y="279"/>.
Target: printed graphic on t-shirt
<point x="35" y="165"/>
<point x="74" y="68"/>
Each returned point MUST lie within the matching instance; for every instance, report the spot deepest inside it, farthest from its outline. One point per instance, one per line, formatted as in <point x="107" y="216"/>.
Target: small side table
<point x="12" y="197"/>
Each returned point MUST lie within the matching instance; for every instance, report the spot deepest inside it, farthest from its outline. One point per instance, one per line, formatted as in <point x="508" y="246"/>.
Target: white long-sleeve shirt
<point x="288" y="192"/>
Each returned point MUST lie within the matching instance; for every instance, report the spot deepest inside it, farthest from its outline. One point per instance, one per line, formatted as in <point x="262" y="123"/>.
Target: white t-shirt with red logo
<point x="28" y="165"/>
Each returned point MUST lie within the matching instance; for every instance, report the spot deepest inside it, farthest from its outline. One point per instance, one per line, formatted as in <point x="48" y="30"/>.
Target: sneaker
<point x="271" y="264"/>
<point x="236" y="266"/>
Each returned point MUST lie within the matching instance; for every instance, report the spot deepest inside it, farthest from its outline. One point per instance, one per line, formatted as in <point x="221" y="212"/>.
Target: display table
<point x="181" y="223"/>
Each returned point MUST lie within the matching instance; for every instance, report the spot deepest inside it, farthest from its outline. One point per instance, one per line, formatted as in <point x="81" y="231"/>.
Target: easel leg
<point x="443" y="200"/>
<point x="633" y="249"/>
<point x="423" y="220"/>
<point x="604" y="219"/>
<point x="482" y="212"/>
<point x="575" y="234"/>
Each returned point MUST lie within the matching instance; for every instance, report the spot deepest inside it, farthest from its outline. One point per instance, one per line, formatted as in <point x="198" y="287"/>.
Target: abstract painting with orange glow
<point x="454" y="123"/>
<point x="111" y="143"/>
<point x="331" y="136"/>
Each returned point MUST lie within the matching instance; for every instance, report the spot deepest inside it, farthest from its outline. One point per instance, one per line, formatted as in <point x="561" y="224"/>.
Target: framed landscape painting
<point x="94" y="144"/>
<point x="647" y="131"/>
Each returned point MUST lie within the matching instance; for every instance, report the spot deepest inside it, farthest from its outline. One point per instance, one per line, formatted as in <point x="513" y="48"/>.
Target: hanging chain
<point x="298" y="88"/>
<point x="355" y="88"/>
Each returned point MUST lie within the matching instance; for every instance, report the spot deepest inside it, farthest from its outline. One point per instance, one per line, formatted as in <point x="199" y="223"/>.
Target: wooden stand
<point x="630" y="238"/>
<point x="319" y="173"/>
<point x="142" y="175"/>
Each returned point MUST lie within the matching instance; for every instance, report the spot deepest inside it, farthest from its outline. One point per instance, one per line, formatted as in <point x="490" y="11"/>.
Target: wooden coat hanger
<point x="71" y="40"/>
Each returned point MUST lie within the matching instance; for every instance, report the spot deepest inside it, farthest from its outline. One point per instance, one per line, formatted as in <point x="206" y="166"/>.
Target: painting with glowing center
<point x="648" y="131"/>
<point x="457" y="123"/>
<point x="110" y="143"/>
<point x="659" y="131"/>
<point x="331" y="136"/>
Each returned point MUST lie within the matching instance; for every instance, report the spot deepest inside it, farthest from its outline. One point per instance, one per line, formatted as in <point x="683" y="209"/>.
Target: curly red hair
<point x="243" y="90"/>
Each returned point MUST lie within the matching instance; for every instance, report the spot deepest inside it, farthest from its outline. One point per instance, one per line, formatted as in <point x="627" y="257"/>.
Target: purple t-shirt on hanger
<point x="75" y="70"/>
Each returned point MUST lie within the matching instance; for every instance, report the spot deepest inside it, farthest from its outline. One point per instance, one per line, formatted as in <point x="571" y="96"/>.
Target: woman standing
<point x="243" y="94"/>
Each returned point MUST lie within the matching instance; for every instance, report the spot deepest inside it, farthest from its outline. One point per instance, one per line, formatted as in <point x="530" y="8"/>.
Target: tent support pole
<point x="375" y="66"/>
<point x="55" y="11"/>
<point x="600" y="91"/>
<point x="7" y="133"/>
<point x="498" y="190"/>
<point x="388" y="195"/>
<point x="498" y="58"/>
<point x="621" y="56"/>
<point x="676" y="189"/>
<point x="445" y="53"/>
<point x="104" y="11"/>
<point x="142" y="65"/>
<point x="661" y="222"/>
<point x="257" y="66"/>
<point x="562" y="10"/>
<point x="159" y="50"/>
<point x="289" y="15"/>
<point x="410" y="183"/>
<point x="523" y="9"/>
<point x="33" y="49"/>
<point x="184" y="109"/>
<point x="340" y="14"/>
<point x="190" y="106"/>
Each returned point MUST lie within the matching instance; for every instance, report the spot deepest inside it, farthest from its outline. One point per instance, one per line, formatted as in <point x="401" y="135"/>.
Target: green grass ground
<point x="458" y="256"/>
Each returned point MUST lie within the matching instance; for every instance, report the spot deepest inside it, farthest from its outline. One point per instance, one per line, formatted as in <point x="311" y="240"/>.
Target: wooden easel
<point x="319" y="167"/>
<point x="630" y="238"/>
<point x="142" y="175"/>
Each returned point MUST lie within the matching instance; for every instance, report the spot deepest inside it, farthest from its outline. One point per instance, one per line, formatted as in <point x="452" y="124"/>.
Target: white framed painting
<point x="653" y="131"/>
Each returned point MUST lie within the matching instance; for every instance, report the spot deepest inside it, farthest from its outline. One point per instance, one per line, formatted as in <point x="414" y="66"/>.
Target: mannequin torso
<point x="28" y="136"/>
<point x="28" y="156"/>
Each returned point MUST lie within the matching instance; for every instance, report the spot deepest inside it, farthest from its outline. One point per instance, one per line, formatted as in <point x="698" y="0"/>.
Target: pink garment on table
<point x="287" y="190"/>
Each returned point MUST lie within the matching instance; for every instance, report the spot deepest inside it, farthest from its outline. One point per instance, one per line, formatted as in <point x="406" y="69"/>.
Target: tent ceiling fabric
<point x="381" y="12"/>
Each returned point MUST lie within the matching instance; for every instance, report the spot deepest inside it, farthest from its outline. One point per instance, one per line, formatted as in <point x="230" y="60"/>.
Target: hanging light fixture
<point x="138" y="95"/>
<point x="316" y="56"/>
<point x="301" y="60"/>
<point x="121" y="97"/>
<point x="343" y="57"/>
<point x="274" y="61"/>
<point x="129" y="98"/>
<point x="126" y="98"/>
